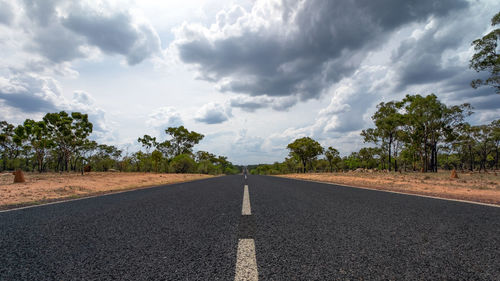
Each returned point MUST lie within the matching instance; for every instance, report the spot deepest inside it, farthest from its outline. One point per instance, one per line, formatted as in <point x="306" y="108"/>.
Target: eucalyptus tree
<point x="495" y="135"/>
<point x="483" y="139"/>
<point x="332" y="156"/>
<point x="147" y="142"/>
<point x="8" y="146"/>
<point x="69" y="133"/>
<point x="486" y="57"/>
<point x="388" y="122"/>
<point x="427" y="122"/>
<point x="182" y="140"/>
<point x="306" y="149"/>
<point x="37" y="134"/>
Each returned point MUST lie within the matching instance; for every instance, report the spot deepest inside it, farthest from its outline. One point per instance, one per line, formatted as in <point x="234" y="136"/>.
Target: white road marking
<point x="245" y="208"/>
<point x="246" y="262"/>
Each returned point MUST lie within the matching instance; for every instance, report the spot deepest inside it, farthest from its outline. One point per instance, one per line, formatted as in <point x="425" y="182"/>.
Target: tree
<point x="37" y="135"/>
<point x="486" y="57"/>
<point x="8" y="146"/>
<point x="495" y="135"/>
<point x="147" y="141"/>
<point x="306" y="149"/>
<point x="484" y="142"/>
<point x="156" y="157"/>
<point x="332" y="156"/>
<point x="183" y="163"/>
<point x="388" y="122"/>
<point x="427" y="122"/>
<point x="182" y="141"/>
<point x="69" y="133"/>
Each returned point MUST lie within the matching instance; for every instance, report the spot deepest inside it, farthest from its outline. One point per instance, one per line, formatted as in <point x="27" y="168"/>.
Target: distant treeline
<point x="417" y="133"/>
<point x="60" y="142"/>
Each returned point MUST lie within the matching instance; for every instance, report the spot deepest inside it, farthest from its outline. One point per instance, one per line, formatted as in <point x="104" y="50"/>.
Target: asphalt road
<point x="302" y="231"/>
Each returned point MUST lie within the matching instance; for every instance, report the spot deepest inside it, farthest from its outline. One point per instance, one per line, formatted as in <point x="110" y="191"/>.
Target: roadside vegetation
<point x="62" y="142"/>
<point x="418" y="133"/>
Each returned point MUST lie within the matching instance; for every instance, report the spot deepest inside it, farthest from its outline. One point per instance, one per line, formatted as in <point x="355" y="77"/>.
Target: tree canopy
<point x="486" y="57"/>
<point x="306" y="149"/>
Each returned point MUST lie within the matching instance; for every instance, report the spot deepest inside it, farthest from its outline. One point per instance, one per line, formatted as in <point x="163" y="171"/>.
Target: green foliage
<point x="418" y="133"/>
<point x="182" y="141"/>
<point x="183" y="163"/>
<point x="486" y="57"/>
<point x="60" y="142"/>
<point x="305" y="149"/>
<point x="333" y="157"/>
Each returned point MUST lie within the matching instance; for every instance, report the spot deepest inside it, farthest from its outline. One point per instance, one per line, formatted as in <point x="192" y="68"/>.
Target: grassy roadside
<point x="54" y="187"/>
<point x="476" y="187"/>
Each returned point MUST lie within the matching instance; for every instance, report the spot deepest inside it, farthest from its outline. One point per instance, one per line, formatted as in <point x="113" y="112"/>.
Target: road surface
<point x="288" y="230"/>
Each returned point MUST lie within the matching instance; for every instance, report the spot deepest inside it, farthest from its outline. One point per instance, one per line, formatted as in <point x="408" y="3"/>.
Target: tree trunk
<point x="436" y="158"/>
<point x="496" y="160"/>
<point x="4" y="162"/>
<point x="390" y="144"/>
<point x="471" y="160"/>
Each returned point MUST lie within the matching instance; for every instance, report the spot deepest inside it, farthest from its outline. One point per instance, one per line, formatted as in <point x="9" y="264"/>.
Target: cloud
<point x="57" y="44"/>
<point x="63" y="31"/>
<point x="41" y="12"/>
<point x="213" y="113"/>
<point x="114" y="33"/>
<point x="295" y="48"/>
<point x="6" y="13"/>
<point x="251" y="104"/>
<point x="31" y="93"/>
<point x="84" y="102"/>
<point x="164" y="117"/>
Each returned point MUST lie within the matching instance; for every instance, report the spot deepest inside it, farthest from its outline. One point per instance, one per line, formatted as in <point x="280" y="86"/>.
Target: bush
<point x="183" y="163"/>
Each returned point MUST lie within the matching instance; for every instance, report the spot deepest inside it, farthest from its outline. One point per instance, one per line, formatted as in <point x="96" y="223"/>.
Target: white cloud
<point x="164" y="117"/>
<point x="213" y="113"/>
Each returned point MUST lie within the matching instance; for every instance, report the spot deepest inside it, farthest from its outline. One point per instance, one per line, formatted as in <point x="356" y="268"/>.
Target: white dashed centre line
<point x="246" y="262"/>
<point x="245" y="208"/>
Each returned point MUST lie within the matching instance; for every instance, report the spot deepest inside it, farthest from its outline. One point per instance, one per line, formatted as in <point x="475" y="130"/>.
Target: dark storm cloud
<point x="61" y="39"/>
<point x="30" y="93"/>
<point x="57" y="44"/>
<point x="114" y="34"/>
<point x="420" y="61"/>
<point x="316" y="43"/>
<point x="27" y="102"/>
<point x="431" y="60"/>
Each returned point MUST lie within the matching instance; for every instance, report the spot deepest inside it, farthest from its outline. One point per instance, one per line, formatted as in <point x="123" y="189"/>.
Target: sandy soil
<point x="48" y="187"/>
<point x="476" y="187"/>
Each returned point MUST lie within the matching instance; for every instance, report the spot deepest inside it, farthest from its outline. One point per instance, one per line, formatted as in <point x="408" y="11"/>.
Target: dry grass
<point x="48" y="187"/>
<point x="478" y="187"/>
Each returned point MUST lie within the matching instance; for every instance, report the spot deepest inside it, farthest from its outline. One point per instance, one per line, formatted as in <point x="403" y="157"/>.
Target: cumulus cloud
<point x="85" y="103"/>
<point x="213" y="113"/>
<point x="114" y="33"/>
<point x="63" y="31"/>
<point x="31" y="93"/>
<point x="164" y="117"/>
<point x="295" y="48"/>
<point x="34" y="95"/>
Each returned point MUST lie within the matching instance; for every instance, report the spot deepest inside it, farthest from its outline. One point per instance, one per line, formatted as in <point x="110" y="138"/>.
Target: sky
<point x="251" y="76"/>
